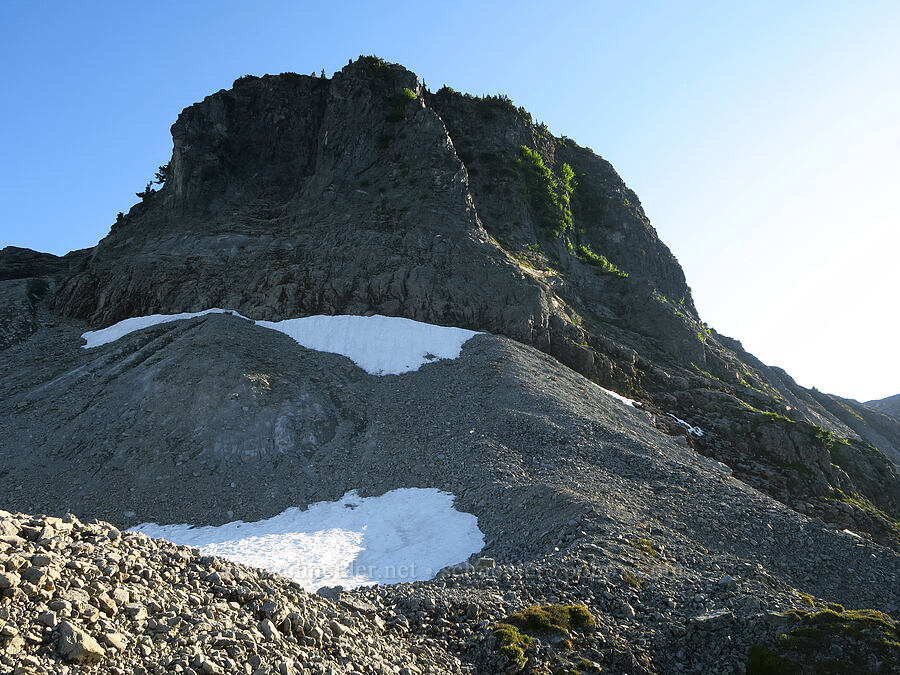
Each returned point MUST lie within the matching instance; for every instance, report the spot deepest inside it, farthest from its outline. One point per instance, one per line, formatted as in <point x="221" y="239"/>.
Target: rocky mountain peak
<point x="292" y="196"/>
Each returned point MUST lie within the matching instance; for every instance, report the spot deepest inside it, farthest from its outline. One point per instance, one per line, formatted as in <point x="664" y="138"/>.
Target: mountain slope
<point x="581" y="499"/>
<point x="888" y="406"/>
<point x="290" y="195"/>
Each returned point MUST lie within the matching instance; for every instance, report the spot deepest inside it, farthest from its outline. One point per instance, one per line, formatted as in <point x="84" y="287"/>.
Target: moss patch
<point x="858" y="500"/>
<point x="556" y="621"/>
<point x="632" y="579"/>
<point x="585" y="254"/>
<point x="644" y="545"/>
<point x="775" y="417"/>
<point x="559" y="619"/>
<point x="512" y="643"/>
<point x="832" y="640"/>
<point x="763" y="661"/>
<point x="550" y="197"/>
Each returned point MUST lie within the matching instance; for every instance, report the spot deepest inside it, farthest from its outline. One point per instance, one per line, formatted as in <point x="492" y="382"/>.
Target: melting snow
<point x="692" y="430"/>
<point x="95" y="338"/>
<point x="404" y="535"/>
<point x="380" y="345"/>
<point x="618" y="397"/>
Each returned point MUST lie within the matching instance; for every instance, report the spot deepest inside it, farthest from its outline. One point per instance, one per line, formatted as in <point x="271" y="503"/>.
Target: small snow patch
<point x="692" y="430"/>
<point x="404" y="535"/>
<point x="627" y="401"/>
<point x="380" y="345"/>
<point x="95" y="338"/>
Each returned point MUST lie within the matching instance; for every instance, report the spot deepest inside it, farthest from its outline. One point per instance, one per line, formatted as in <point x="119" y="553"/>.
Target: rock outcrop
<point x="26" y="278"/>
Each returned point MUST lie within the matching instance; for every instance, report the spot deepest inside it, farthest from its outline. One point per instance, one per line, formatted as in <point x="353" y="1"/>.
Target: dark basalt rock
<point x="26" y="278"/>
<point x="22" y="263"/>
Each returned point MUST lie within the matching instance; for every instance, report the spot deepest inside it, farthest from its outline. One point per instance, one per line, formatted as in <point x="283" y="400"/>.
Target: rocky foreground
<point x="87" y="597"/>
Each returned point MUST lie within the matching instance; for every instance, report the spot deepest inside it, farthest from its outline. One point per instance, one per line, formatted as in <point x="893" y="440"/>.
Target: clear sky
<point x="762" y="138"/>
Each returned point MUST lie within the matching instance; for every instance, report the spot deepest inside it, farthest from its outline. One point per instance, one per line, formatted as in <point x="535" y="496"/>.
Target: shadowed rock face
<point x="292" y="195"/>
<point x="26" y="278"/>
<point x="284" y="200"/>
<point x="23" y="263"/>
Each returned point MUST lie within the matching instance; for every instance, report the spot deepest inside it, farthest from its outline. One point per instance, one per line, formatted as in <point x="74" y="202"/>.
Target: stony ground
<point x="581" y="499"/>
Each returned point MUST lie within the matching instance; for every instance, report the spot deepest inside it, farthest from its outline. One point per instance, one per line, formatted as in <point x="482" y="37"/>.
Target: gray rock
<point x="337" y="628"/>
<point x="135" y="611"/>
<point x="47" y="619"/>
<point x="9" y="580"/>
<point x="207" y="667"/>
<point x="115" y="640"/>
<point x="459" y="568"/>
<point x="120" y="596"/>
<point x="331" y="592"/>
<point x="715" y="620"/>
<point x="75" y="646"/>
<point x="267" y="628"/>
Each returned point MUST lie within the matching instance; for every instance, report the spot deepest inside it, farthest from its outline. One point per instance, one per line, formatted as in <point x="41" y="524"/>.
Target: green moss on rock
<point x="552" y="618"/>
<point x="832" y="640"/>
<point x="763" y="661"/>
<point x="512" y="643"/>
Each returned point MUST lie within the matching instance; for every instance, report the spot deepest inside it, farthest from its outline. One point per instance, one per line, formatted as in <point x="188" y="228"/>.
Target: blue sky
<point x="763" y="139"/>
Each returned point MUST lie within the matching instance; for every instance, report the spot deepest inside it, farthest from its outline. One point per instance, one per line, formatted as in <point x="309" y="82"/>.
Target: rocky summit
<point x="653" y="498"/>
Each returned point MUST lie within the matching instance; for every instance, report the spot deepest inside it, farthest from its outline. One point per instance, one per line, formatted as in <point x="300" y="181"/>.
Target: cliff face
<point x="291" y="195"/>
<point x="26" y="279"/>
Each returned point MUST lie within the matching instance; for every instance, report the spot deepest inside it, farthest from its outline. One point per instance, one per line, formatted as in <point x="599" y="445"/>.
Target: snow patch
<point x="380" y="345"/>
<point x="692" y="430"/>
<point x="404" y="535"/>
<point x="627" y="401"/>
<point x="95" y="338"/>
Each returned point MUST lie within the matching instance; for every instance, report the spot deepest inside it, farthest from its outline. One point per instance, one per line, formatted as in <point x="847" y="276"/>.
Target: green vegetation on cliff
<point x="550" y="196"/>
<point x="587" y="255"/>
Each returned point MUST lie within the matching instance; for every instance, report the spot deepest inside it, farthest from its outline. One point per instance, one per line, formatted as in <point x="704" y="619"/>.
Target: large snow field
<point x="380" y="345"/>
<point x="404" y="535"/>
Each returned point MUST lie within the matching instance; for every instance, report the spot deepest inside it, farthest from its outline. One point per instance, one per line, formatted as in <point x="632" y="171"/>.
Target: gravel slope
<point x="582" y="500"/>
